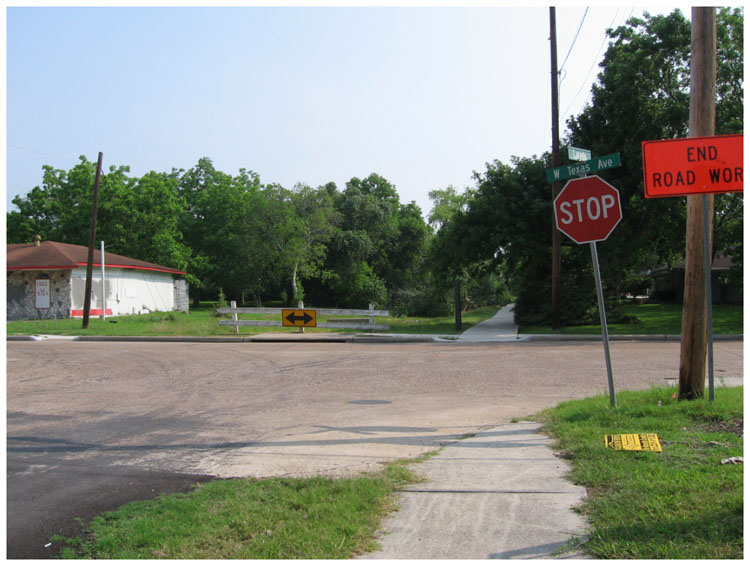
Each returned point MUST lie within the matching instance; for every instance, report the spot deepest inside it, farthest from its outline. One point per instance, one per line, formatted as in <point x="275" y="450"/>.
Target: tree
<point x="212" y="215"/>
<point x="136" y="217"/>
<point x="447" y="202"/>
<point x="642" y="93"/>
<point x="58" y="210"/>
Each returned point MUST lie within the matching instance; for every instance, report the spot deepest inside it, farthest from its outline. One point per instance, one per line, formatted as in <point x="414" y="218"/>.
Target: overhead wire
<point x="580" y="25"/>
<point x="14" y="146"/>
<point x="596" y="58"/>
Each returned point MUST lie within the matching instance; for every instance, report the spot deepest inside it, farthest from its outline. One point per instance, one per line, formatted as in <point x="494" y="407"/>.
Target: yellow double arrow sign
<point x="299" y="317"/>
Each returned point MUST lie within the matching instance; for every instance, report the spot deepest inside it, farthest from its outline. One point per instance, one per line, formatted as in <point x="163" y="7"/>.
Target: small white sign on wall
<point x="41" y="294"/>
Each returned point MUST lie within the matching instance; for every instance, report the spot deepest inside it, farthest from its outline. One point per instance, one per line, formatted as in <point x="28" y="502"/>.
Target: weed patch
<point x="682" y="503"/>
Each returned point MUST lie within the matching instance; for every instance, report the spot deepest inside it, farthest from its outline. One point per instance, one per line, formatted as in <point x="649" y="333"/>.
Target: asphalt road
<point x="91" y="425"/>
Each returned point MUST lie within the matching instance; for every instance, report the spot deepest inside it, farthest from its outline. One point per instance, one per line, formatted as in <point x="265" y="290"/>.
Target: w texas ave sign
<point x="587" y="209"/>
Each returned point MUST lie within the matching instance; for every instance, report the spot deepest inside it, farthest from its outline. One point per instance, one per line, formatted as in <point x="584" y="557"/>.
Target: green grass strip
<point x="651" y="319"/>
<point x="279" y="518"/>
<point x="678" y="504"/>
<point x="204" y="322"/>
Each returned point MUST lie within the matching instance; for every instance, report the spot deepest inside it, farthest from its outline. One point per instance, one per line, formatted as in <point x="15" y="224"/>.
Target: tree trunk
<point x="295" y="291"/>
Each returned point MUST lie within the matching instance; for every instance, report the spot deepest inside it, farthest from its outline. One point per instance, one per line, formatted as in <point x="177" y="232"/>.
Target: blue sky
<point x="423" y="96"/>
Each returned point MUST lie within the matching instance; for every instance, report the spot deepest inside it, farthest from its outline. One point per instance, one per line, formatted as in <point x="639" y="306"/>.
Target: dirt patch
<point x="734" y="426"/>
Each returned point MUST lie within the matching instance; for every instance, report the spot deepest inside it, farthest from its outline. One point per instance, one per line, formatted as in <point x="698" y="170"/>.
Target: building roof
<point x="56" y="255"/>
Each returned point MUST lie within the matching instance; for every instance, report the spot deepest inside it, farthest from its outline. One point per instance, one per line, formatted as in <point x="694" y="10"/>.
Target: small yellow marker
<point x="639" y="442"/>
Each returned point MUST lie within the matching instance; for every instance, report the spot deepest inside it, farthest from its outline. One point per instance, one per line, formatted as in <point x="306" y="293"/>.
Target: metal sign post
<point x="603" y="320"/>
<point x="587" y="210"/>
<point x="709" y="298"/>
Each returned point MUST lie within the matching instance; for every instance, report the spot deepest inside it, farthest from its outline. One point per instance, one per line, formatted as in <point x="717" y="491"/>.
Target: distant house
<point x="669" y="283"/>
<point x="49" y="278"/>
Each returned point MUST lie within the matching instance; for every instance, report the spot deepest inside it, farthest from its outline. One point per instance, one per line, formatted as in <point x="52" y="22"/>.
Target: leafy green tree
<point x="447" y="202"/>
<point x="642" y="93"/>
<point x="210" y="215"/>
<point x="294" y="227"/>
<point x="58" y="210"/>
<point x="135" y="217"/>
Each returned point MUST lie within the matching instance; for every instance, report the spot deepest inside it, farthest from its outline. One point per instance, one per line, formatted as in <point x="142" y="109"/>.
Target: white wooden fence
<point x="342" y="323"/>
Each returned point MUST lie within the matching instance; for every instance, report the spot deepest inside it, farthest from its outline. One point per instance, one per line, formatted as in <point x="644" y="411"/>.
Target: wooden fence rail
<point x="341" y="323"/>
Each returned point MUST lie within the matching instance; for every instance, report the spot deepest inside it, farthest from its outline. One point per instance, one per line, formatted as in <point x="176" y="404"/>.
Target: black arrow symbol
<point x="293" y="317"/>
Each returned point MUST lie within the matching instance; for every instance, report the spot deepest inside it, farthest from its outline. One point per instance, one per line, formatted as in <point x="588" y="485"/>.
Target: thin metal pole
<point x="457" y="302"/>
<point x="603" y="320"/>
<point x="104" y="285"/>
<point x="709" y="300"/>
<point x="92" y="243"/>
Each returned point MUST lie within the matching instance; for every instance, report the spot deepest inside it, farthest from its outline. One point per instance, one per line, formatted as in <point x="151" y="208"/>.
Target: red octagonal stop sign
<point x="587" y="209"/>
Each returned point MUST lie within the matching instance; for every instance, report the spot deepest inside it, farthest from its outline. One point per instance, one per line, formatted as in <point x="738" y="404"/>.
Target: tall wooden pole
<point x="556" y="162"/>
<point x="92" y="241"/>
<point x="693" y="345"/>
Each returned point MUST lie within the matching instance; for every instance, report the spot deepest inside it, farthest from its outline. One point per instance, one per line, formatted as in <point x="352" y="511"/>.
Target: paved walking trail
<point x="498" y="494"/>
<point x="499" y="328"/>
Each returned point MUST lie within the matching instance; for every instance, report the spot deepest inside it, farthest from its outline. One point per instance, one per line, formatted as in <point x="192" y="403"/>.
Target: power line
<point x="596" y="59"/>
<point x="14" y="146"/>
<point x="580" y="25"/>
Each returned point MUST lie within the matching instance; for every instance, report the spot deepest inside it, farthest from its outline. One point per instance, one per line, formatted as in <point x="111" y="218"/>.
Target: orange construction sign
<point x="691" y="166"/>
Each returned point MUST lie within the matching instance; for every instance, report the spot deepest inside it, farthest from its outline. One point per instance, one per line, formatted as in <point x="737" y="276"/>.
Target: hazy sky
<point x="423" y="96"/>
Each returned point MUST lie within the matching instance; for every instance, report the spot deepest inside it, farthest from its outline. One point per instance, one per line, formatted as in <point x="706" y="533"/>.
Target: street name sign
<point x="690" y="166"/>
<point x="299" y="317"/>
<point x="578" y="154"/>
<point x="587" y="209"/>
<point x="583" y="168"/>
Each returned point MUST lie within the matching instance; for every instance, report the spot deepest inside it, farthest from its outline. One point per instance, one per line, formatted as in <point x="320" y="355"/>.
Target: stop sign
<point x="587" y="209"/>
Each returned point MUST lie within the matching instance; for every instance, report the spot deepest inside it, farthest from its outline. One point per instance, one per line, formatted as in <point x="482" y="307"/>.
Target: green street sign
<point x="584" y="168"/>
<point x="578" y="154"/>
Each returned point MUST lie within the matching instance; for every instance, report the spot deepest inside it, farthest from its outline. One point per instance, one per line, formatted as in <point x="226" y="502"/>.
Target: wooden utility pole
<point x="693" y="345"/>
<point x="556" y="162"/>
<point x="92" y="240"/>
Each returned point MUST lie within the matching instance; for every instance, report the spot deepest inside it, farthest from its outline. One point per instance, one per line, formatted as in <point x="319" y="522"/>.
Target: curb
<point x="618" y="337"/>
<point x="367" y="338"/>
<point x="332" y="338"/>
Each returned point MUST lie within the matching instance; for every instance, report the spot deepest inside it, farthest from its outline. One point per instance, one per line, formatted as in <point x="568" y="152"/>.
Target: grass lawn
<point x="279" y="518"/>
<point x="204" y="322"/>
<point x="681" y="503"/>
<point x="652" y="319"/>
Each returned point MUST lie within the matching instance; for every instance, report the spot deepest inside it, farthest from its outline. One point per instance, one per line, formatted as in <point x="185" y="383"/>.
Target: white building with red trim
<point x="49" y="278"/>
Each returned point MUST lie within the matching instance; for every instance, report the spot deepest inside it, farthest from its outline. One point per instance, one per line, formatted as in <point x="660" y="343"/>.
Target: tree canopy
<point x="261" y="242"/>
<point x="642" y="93"/>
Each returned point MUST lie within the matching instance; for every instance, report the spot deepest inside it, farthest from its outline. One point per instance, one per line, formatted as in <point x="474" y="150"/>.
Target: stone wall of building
<point x="21" y="294"/>
<point x="181" y="298"/>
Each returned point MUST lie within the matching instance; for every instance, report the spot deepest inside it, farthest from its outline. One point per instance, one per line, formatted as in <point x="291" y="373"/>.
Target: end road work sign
<point x="689" y="166"/>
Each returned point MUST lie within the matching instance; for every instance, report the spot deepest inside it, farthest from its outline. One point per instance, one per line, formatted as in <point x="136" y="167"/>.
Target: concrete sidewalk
<point x="498" y="494"/>
<point x="499" y="328"/>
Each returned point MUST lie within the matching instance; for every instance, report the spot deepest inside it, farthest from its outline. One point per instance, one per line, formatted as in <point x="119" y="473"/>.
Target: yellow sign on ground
<point x="299" y="317"/>
<point x="640" y="442"/>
